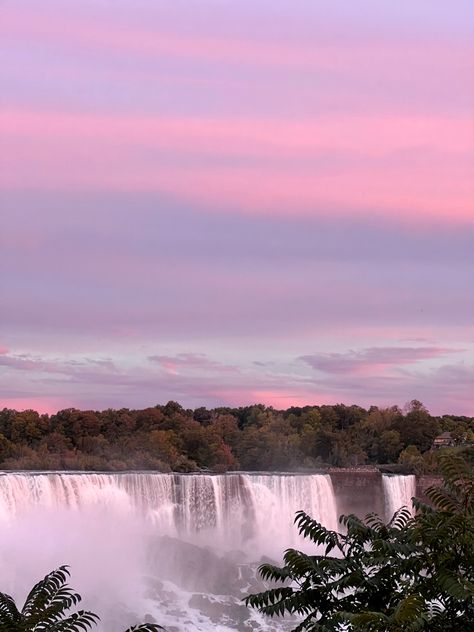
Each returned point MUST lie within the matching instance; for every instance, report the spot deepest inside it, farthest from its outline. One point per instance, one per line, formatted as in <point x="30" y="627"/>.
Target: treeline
<point x="171" y="438"/>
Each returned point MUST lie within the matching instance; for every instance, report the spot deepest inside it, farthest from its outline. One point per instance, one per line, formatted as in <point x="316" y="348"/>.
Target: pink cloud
<point x="321" y="51"/>
<point x="402" y="167"/>
<point x="192" y="362"/>
<point x="87" y="34"/>
<point x="342" y="132"/>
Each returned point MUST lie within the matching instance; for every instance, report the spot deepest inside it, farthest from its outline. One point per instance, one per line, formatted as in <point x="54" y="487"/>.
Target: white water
<point x="244" y="511"/>
<point x="181" y="548"/>
<point x="109" y="528"/>
<point x="398" y="492"/>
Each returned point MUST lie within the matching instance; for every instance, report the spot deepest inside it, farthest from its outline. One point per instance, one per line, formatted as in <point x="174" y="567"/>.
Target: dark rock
<point x="195" y="568"/>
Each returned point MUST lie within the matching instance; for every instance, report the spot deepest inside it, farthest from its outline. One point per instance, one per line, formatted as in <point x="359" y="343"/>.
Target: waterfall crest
<point x="231" y="510"/>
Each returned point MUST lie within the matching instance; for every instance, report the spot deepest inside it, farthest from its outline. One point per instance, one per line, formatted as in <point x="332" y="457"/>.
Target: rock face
<point x="425" y="481"/>
<point x="198" y="569"/>
<point x="214" y="585"/>
<point x="362" y="491"/>
<point x="358" y="492"/>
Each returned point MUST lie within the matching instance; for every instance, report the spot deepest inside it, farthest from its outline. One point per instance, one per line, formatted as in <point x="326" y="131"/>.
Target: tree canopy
<point x="414" y="574"/>
<point x="171" y="438"/>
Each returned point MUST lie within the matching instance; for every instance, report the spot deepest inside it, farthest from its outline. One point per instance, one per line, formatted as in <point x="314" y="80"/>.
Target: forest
<point x="171" y="438"/>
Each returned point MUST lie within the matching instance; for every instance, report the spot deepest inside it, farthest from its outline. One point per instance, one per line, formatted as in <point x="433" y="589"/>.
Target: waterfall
<point x="398" y="492"/>
<point x="232" y="509"/>
<point x="279" y="497"/>
<point x="131" y="535"/>
<point x="175" y="546"/>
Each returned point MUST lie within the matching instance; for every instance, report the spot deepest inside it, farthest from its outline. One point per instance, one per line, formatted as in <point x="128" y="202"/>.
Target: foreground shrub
<point x="410" y="575"/>
<point x="47" y="609"/>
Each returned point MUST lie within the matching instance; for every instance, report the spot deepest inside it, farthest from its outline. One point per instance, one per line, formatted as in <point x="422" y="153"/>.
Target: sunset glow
<point x="247" y="202"/>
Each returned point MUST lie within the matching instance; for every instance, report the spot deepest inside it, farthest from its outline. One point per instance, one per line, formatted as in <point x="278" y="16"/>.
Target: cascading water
<point x="398" y="492"/>
<point x="190" y="534"/>
<point x="278" y="498"/>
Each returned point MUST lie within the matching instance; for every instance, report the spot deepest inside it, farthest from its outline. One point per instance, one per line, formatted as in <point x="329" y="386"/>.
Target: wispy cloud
<point x="309" y="45"/>
<point x="337" y="164"/>
<point x="191" y="362"/>
<point x="195" y="380"/>
<point x="373" y="359"/>
<point x="85" y="367"/>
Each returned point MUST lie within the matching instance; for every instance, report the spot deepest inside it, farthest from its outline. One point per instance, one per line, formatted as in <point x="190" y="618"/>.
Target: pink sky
<point x="235" y="203"/>
<point x="393" y="166"/>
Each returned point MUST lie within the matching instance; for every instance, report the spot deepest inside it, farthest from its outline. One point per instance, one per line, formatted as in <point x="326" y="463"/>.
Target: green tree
<point x="412" y="574"/>
<point x="47" y="609"/>
<point x="418" y="427"/>
<point x="412" y="459"/>
<point x="389" y="446"/>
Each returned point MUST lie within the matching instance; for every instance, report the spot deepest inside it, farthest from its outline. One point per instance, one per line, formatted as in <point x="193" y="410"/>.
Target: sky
<point x="223" y="203"/>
